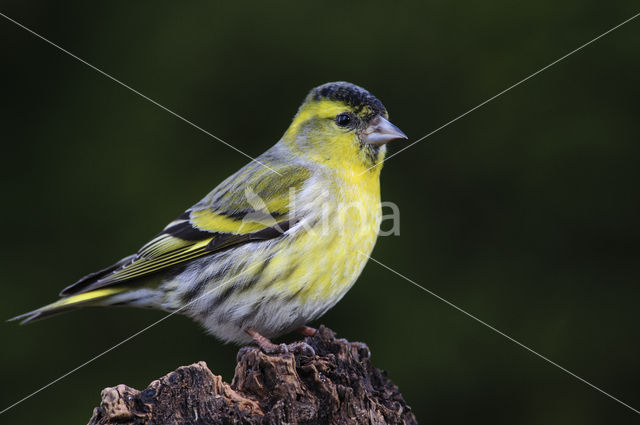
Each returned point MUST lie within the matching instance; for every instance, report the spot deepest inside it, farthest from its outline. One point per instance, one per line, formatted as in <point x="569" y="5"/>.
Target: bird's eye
<point x="343" y="120"/>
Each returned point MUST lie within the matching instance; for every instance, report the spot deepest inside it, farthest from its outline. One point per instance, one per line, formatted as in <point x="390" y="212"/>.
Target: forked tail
<point x="96" y="297"/>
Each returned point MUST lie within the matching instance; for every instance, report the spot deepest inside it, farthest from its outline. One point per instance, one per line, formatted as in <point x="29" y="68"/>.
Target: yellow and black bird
<point x="276" y="244"/>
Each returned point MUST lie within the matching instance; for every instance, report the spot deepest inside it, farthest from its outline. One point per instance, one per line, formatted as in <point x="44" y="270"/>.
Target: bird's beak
<point x="381" y="131"/>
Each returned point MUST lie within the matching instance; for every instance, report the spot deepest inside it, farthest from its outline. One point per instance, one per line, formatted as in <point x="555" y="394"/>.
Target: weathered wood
<point x="337" y="385"/>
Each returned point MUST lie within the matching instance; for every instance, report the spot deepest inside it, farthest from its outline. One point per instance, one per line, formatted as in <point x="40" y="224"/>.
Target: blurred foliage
<point x="525" y="212"/>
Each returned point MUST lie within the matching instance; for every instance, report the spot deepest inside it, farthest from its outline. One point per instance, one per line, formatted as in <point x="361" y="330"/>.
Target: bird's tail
<point x="96" y="297"/>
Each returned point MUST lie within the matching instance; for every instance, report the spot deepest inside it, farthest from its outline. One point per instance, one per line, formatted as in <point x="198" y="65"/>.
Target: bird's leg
<point x="267" y="346"/>
<point x="307" y="330"/>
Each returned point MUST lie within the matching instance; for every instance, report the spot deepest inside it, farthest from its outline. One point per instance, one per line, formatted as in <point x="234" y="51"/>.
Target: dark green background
<point x="525" y="212"/>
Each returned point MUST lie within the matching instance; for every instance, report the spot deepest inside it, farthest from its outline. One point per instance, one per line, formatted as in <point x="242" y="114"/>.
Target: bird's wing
<point x="251" y="205"/>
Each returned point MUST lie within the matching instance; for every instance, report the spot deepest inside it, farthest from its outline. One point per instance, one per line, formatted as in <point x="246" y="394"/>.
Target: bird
<point x="275" y="245"/>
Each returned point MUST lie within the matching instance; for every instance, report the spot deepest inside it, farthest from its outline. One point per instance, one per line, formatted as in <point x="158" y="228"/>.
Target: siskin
<point x="276" y="244"/>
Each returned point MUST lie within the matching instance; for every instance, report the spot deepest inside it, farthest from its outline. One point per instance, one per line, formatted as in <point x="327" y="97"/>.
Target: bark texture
<point x="337" y="385"/>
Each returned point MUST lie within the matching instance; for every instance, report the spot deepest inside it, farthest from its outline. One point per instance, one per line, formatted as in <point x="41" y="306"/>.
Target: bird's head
<point x="342" y="126"/>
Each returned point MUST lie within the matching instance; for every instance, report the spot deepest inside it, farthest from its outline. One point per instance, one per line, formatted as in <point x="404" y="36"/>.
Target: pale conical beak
<point x="381" y="132"/>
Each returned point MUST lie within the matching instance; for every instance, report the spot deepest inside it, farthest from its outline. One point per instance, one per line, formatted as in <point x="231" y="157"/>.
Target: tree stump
<point x="337" y="385"/>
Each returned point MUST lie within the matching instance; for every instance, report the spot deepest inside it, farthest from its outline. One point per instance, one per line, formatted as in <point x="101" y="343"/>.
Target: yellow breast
<point x="325" y="254"/>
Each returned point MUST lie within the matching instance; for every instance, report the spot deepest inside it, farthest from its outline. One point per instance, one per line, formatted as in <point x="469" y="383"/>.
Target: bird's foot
<point x="265" y="344"/>
<point x="268" y="347"/>
<point x="301" y="348"/>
